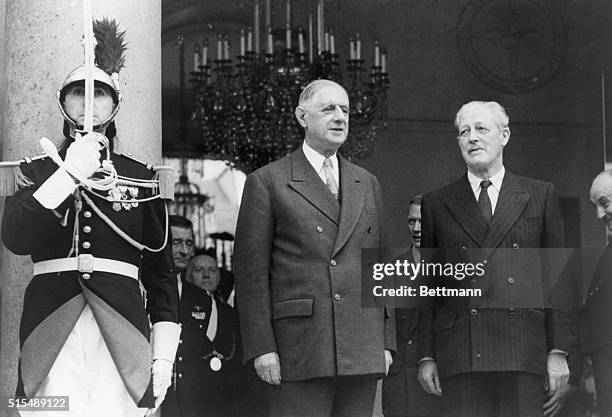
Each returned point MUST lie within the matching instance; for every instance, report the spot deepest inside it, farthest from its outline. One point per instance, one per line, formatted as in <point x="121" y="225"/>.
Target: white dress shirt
<point x="316" y="160"/>
<point x="494" y="188"/>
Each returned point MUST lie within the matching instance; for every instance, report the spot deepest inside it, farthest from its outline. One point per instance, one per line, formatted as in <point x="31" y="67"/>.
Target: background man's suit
<point x="467" y="340"/>
<point x="297" y="267"/>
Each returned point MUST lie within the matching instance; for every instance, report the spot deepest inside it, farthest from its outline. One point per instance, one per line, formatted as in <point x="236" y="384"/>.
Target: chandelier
<point x="244" y="108"/>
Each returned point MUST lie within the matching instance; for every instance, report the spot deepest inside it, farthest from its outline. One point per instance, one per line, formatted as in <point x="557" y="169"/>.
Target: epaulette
<point x="164" y="175"/>
<point x="15" y="175"/>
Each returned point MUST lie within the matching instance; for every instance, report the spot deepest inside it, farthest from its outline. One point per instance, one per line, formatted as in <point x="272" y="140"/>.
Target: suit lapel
<point x="352" y="194"/>
<point x="510" y="205"/>
<point x="306" y="182"/>
<point x="464" y="208"/>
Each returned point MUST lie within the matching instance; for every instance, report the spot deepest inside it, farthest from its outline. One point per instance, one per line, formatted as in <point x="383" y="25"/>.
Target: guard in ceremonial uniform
<point x="208" y="371"/>
<point x="96" y="229"/>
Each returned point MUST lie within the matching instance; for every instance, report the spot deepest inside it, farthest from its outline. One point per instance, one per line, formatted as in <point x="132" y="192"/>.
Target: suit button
<point x="319" y="229"/>
<point x="86" y="245"/>
<point x="485" y="262"/>
<point x="511" y="311"/>
<point x="473" y="312"/>
<point x="200" y="326"/>
<point x="478" y="355"/>
<point x="515" y="245"/>
<point x="337" y="297"/>
<point x="180" y="340"/>
<point x="333" y="262"/>
<point x="510" y="280"/>
<point x="410" y="342"/>
<point x="463" y="248"/>
<point x="86" y="276"/>
<point x="180" y="359"/>
<point x="87" y="214"/>
<point x="180" y="375"/>
<point x="87" y="229"/>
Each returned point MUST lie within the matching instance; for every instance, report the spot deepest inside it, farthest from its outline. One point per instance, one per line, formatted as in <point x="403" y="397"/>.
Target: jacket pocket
<point x="298" y="307"/>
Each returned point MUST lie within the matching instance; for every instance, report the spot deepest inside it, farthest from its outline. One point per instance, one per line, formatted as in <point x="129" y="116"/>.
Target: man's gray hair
<point x="497" y="109"/>
<point x="606" y="173"/>
<point x="313" y="87"/>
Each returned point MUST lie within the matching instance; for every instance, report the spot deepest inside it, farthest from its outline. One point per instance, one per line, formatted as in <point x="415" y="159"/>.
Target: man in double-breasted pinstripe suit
<point x="493" y="361"/>
<point x="302" y="223"/>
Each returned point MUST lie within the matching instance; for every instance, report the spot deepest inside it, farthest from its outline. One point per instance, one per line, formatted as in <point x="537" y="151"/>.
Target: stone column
<point x="42" y="43"/>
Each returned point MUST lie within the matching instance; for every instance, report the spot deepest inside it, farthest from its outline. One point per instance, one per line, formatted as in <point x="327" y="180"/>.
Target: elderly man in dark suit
<point x="301" y="227"/>
<point x="597" y="310"/>
<point x="493" y="361"/>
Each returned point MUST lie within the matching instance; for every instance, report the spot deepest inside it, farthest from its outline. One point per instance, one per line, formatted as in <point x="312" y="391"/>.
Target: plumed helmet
<point x="109" y="59"/>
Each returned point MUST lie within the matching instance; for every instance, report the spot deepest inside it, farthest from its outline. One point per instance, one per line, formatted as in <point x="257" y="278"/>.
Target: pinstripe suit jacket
<point x="297" y="268"/>
<point x="457" y="332"/>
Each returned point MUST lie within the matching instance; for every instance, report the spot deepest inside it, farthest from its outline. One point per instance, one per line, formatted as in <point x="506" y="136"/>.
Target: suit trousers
<point x="493" y="394"/>
<point x="344" y="396"/>
<point x="602" y="373"/>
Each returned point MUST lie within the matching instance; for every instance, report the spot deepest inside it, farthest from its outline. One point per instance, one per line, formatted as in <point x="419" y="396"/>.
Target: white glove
<point x="83" y="156"/>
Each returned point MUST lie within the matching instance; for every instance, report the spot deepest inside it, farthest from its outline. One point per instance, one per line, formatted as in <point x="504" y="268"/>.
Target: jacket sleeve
<point x="424" y="331"/>
<point x="252" y="260"/>
<point x="25" y="222"/>
<point x="560" y="322"/>
<point x="157" y="268"/>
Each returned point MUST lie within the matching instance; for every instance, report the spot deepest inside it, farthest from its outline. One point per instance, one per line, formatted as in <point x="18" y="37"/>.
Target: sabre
<point x="89" y="45"/>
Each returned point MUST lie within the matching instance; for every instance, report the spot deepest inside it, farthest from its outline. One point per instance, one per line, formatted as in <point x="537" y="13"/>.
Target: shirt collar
<point x="496" y="180"/>
<point x="316" y="159"/>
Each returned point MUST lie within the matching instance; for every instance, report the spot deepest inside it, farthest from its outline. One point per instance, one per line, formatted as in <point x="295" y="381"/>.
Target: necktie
<point x="484" y="201"/>
<point x="211" y="330"/>
<point x="328" y="174"/>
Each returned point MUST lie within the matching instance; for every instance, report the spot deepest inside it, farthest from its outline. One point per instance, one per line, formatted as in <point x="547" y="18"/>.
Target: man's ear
<point x="505" y="136"/>
<point x="300" y="115"/>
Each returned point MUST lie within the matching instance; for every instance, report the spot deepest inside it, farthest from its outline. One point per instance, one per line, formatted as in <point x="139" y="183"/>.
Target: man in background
<point x="183" y="245"/>
<point x="402" y="396"/>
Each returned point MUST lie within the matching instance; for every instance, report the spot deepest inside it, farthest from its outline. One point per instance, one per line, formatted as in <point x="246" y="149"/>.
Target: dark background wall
<point x="559" y="49"/>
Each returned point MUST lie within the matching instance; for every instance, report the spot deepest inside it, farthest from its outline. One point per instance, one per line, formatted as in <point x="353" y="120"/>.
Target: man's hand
<point x="83" y="156"/>
<point x="558" y="372"/>
<point x="388" y="361"/>
<point x="162" y="376"/>
<point x="428" y="377"/>
<point x="268" y="368"/>
<point x="555" y="403"/>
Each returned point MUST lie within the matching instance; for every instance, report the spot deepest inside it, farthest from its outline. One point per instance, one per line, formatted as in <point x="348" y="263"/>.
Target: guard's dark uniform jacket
<point x="54" y="301"/>
<point x="197" y="390"/>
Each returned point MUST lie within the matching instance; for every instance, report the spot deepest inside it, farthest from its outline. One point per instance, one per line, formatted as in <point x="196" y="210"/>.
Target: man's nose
<point x="417" y="226"/>
<point x="601" y="213"/>
<point x="339" y="114"/>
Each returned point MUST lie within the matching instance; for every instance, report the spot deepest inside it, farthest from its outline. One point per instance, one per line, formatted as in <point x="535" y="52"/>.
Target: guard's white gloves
<point x="83" y="156"/>
<point x="165" y="339"/>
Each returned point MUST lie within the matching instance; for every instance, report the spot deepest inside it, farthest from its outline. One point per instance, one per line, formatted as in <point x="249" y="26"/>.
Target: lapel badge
<point x="120" y="196"/>
<point x="197" y="313"/>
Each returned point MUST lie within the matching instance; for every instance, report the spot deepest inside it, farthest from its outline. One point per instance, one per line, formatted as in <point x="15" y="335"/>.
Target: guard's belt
<point x="86" y="264"/>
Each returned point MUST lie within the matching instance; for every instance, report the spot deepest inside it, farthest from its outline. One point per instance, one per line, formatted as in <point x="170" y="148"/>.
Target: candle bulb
<point x="205" y="52"/>
<point x="376" y="54"/>
<point x="300" y="40"/>
<point x="270" y="44"/>
<point x="288" y="18"/>
<point x="256" y="25"/>
<point x="196" y="57"/>
<point x="249" y="46"/>
<point x="326" y="43"/>
<point x="319" y="46"/>
<point x="219" y="46"/>
<point x="310" y="38"/>
<point x="268" y="22"/>
<point x="383" y="60"/>
<point x="352" y="48"/>
<point x="226" y="46"/>
<point x="357" y="46"/>
<point x="332" y="41"/>
<point x="242" y="42"/>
